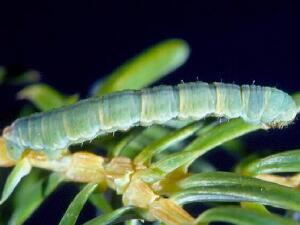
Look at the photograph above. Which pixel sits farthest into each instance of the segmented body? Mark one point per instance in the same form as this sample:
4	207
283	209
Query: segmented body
57	129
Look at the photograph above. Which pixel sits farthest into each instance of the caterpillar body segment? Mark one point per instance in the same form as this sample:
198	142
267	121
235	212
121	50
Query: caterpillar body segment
52	131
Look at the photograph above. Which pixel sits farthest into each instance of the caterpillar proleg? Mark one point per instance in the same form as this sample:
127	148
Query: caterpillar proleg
54	130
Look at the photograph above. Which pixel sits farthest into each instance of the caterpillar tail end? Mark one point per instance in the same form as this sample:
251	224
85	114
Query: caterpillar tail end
5	159
14	150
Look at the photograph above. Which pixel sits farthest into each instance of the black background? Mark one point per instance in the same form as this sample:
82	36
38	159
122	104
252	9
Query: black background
73	43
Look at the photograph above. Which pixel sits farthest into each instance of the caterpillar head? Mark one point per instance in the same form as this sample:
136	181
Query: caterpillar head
286	113
282	109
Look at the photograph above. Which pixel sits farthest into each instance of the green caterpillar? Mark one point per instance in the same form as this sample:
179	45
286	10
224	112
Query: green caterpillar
54	130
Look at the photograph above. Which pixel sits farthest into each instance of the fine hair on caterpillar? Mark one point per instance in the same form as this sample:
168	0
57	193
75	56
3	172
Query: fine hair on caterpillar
52	131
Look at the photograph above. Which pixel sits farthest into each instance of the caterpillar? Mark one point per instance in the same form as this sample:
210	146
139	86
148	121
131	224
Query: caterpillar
54	130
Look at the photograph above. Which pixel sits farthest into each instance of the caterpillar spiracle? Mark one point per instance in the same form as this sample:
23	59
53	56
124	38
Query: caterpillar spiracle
54	130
